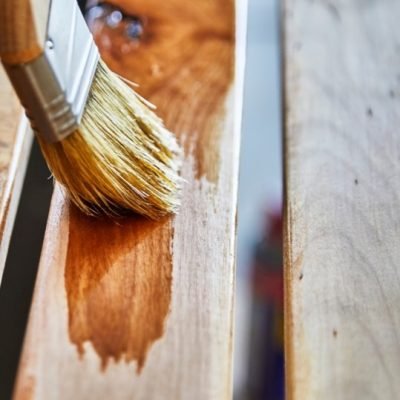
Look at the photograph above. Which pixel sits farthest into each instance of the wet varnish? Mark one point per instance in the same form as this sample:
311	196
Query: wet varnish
107	291
118	283
182	56
183	61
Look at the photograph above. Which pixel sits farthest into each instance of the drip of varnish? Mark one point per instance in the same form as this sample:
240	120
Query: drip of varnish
119	274
118	281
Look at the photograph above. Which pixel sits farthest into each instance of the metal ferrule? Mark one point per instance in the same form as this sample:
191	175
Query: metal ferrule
54	87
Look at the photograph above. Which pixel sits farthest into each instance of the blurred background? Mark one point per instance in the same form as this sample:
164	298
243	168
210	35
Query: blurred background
258	373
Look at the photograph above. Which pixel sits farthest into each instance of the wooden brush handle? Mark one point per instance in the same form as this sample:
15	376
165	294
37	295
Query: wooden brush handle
22	29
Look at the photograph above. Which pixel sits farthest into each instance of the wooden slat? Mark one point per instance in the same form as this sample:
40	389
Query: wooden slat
342	213
140	309
15	145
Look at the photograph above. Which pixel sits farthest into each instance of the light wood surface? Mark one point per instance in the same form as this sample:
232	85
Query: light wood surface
15	145
342	188
136	309
22	29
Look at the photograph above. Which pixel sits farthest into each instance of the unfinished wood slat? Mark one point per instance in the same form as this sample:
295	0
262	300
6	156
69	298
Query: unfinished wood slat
15	145
140	309
342	186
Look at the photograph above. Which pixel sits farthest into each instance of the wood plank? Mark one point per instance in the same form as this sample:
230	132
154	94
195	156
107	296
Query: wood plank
342	192
15	145
141	309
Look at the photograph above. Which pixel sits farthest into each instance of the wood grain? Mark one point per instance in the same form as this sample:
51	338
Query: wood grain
15	145
110	294
137	309
22	29
342	189
172	66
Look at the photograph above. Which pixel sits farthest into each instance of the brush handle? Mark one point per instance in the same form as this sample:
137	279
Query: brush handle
22	29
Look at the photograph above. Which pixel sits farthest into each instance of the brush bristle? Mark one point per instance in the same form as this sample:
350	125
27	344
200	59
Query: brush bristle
121	158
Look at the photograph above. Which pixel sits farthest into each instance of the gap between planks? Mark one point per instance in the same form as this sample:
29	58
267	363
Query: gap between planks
15	145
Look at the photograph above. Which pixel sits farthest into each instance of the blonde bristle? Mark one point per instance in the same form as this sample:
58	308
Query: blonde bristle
121	158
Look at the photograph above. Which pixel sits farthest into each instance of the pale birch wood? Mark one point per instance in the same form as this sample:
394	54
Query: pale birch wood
342	115
15	145
193	357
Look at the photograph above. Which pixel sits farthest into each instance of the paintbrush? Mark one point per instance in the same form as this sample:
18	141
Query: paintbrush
100	139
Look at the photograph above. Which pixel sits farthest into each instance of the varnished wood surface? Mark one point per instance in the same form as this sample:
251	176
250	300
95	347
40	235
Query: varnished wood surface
15	144
110	295
139	309
183	63
342	186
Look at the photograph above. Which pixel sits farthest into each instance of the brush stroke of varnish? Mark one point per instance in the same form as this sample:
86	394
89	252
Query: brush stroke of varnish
200	100
184	64
117	297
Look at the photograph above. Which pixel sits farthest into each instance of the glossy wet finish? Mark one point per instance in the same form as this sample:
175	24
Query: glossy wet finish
111	298
117	297
181	54
184	63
